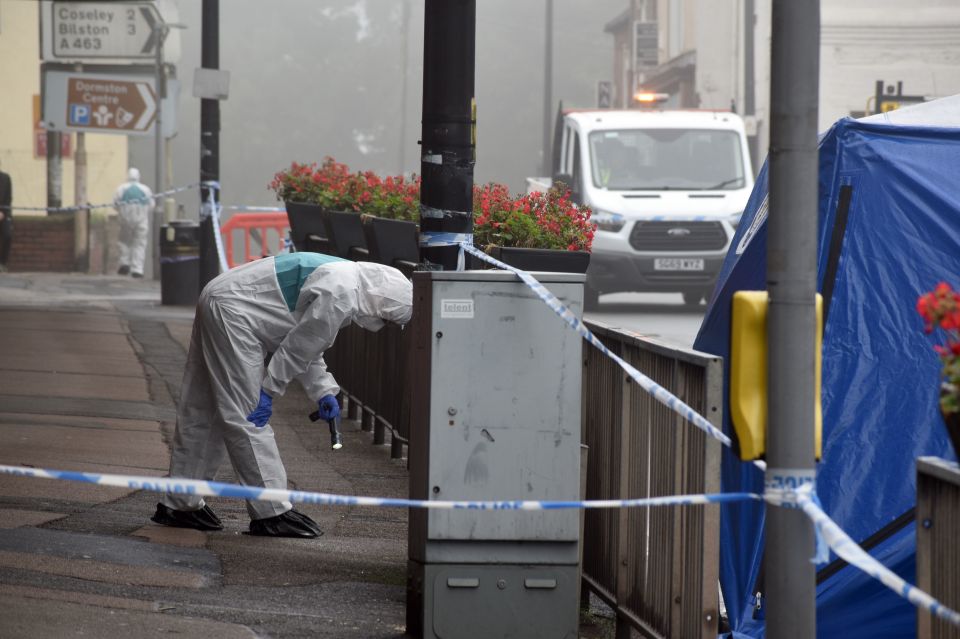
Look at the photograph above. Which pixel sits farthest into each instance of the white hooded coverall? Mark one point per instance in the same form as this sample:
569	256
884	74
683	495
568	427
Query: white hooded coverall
293	306
133	201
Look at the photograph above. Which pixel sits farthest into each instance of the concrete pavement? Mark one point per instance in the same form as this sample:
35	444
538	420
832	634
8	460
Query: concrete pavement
90	370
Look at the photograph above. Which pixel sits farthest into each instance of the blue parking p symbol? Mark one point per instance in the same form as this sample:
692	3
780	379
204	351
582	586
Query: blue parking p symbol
79	115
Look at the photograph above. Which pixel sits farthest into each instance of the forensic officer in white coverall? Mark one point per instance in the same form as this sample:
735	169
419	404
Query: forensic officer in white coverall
133	201
292	306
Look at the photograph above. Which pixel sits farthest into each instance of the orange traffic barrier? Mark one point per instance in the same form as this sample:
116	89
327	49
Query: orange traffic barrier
266	224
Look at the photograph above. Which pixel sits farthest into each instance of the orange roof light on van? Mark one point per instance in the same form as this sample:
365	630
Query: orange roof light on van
645	97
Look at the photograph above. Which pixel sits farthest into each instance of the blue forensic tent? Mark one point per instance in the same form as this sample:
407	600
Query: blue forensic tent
889	230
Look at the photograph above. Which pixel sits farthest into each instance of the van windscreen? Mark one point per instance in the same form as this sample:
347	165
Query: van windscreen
665	159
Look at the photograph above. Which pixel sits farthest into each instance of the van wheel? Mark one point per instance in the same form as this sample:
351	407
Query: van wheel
692	298
591	298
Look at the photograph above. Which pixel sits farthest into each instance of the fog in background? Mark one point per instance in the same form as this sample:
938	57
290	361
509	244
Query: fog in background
310	79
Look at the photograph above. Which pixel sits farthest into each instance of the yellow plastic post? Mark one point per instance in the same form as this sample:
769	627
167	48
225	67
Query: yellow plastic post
748	373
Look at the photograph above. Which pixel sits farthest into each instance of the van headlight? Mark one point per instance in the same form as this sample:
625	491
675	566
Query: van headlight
605	221
734	220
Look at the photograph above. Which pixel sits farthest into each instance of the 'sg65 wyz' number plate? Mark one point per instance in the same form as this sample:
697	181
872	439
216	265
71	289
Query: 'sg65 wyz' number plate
678	264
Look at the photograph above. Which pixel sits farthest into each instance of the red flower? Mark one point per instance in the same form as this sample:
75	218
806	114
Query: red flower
940	309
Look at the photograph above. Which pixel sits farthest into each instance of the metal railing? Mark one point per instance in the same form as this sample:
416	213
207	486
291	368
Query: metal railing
372	371
657	567
938	525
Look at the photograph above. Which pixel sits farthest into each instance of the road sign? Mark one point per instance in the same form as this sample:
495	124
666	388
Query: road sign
102	32
604	94
104	101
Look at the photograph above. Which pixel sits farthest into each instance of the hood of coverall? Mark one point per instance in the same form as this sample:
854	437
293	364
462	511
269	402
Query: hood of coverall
385	295
133	175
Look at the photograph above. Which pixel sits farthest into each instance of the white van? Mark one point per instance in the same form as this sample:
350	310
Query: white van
667	189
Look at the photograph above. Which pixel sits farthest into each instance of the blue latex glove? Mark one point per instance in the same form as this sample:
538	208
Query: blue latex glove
261	414
329	408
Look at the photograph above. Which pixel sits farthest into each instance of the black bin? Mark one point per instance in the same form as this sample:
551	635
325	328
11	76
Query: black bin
180	262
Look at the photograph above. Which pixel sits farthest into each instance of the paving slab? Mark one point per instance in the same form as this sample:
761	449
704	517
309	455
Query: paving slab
60	321
80	421
166	535
18	518
36	618
91	447
107	558
102	571
53	594
86	407
42	384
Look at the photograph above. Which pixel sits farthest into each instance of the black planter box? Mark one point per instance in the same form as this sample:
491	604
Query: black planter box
393	242
307	231
531	259
345	235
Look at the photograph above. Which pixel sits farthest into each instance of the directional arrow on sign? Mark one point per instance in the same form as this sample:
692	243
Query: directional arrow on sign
149	106
152	19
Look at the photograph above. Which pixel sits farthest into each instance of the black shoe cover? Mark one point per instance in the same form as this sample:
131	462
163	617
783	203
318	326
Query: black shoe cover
203	519
289	524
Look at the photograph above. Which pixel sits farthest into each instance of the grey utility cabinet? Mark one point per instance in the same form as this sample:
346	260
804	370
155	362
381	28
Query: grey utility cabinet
496	416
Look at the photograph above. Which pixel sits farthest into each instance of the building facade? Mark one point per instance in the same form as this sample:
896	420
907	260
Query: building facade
716	55
22	141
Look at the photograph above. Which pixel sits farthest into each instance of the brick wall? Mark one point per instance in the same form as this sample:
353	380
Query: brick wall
46	244
42	244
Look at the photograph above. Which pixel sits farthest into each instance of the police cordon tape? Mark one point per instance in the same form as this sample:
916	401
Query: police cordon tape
83	207
848	550
203	488
212	208
802	497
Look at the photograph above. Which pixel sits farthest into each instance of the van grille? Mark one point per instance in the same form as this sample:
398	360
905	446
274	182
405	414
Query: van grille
678	236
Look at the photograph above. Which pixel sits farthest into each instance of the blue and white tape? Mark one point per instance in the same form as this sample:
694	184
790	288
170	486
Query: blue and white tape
83	207
658	392
212	208
850	552
202	488
783	487
441	238
841	544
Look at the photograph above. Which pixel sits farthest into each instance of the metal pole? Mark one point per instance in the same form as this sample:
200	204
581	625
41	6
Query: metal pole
209	142
404	65
546	165
54	170
448	141
791	282
749	75
160	84
878	93
81	217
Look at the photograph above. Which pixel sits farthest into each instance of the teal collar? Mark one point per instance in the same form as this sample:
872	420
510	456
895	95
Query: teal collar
294	268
